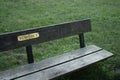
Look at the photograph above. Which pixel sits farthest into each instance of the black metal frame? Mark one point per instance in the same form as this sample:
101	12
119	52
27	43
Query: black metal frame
29	54
81	40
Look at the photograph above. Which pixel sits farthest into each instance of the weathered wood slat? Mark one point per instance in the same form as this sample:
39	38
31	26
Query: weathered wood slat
36	76
68	66
38	35
50	62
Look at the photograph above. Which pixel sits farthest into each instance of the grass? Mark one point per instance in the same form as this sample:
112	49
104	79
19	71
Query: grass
105	17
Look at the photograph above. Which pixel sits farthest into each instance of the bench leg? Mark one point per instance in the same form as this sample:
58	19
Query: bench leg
29	54
81	39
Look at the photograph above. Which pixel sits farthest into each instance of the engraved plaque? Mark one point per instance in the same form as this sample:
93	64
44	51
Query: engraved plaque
28	36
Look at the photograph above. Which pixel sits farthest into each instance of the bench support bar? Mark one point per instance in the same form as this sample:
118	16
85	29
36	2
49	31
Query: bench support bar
29	54
81	39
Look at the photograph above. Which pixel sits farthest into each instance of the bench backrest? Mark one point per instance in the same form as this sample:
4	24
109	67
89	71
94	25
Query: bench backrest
13	40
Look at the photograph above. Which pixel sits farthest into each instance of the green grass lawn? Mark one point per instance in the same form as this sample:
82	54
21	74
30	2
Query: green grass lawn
105	17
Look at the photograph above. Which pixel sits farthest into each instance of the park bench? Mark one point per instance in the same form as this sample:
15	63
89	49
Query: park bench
55	66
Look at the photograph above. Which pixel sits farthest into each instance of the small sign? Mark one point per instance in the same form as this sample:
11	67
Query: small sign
28	36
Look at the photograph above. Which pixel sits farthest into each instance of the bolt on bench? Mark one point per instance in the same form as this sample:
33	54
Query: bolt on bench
55	66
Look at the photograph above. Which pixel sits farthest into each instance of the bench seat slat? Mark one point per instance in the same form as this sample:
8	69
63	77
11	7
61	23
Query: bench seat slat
50	62
68	66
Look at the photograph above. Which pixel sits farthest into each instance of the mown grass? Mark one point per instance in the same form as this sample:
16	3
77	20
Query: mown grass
105	17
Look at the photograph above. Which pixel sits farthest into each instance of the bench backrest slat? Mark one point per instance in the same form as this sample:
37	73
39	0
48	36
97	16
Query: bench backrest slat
18	39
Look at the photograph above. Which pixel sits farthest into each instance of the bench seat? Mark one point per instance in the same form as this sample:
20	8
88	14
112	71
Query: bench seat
58	65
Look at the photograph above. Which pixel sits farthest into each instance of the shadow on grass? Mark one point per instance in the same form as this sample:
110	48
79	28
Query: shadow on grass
93	72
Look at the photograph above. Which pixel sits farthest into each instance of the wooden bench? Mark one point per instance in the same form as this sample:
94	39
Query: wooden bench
55	66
